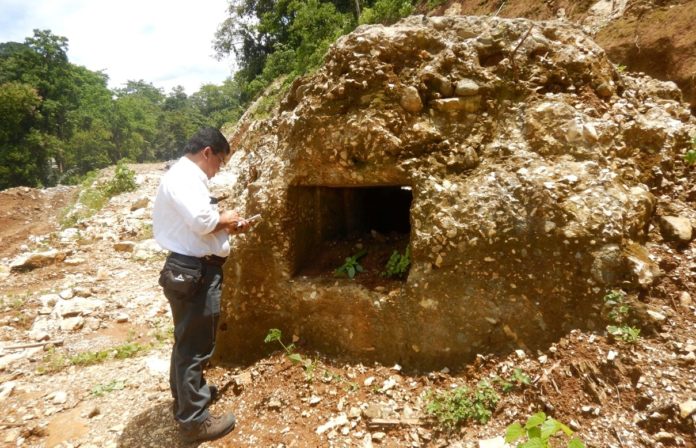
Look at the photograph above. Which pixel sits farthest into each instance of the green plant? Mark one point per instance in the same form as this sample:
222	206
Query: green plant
618	314
128	350
53	361
275	335
94	195
518	379
538	430
690	155
123	180
397	265
309	365
387	12
454	407
620	68
89	358
101	389
351	266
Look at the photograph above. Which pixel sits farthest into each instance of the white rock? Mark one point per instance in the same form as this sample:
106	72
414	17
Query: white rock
340	420
67	294
496	442
369	380
72	323
687	408
58	397
6	389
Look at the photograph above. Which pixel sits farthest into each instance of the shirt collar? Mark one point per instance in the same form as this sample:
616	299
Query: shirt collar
195	169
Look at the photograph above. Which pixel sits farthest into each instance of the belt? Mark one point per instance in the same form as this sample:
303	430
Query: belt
208	259
214	260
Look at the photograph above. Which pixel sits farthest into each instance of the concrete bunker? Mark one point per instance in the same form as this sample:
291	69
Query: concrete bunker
330	223
531	175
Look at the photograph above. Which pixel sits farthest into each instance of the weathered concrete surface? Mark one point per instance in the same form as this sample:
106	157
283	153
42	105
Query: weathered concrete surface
532	163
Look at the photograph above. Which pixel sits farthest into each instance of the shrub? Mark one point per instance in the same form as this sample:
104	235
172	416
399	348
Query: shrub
454	407
386	12
397	265
618	313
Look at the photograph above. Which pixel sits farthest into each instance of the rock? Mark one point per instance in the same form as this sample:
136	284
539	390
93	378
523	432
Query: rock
645	271
466	104
533	206
74	261
496	442
274	403
604	90
49	300
72	323
389	383
313	400
147	249
78	306
656	316
69	234
36	260
378	436
121	318
243	379
67	294
124	246
157	366
686	408
337	421
411	100
684	299
139	203
58	397
676	228
6	389
466	87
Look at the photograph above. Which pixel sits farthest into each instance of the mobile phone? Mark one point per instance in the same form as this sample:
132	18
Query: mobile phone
251	219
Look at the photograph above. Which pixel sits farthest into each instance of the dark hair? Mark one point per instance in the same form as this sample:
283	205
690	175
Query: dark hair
207	137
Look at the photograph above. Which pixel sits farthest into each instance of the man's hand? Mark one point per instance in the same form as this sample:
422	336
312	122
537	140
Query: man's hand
230	221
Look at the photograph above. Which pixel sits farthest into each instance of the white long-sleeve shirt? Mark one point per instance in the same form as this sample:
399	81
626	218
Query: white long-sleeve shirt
183	217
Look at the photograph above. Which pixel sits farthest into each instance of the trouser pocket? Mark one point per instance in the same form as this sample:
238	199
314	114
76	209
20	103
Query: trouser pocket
181	278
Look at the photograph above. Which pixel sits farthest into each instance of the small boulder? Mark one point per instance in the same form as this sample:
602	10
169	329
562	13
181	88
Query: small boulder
676	228
411	100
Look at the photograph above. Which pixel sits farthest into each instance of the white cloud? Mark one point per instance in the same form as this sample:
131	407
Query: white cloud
164	42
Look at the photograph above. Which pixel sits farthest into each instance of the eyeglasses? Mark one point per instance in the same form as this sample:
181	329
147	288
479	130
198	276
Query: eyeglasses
221	159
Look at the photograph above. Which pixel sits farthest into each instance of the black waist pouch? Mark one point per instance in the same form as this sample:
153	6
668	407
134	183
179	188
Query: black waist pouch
181	277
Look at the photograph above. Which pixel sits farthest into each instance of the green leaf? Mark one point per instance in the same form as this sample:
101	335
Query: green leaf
273	335
351	271
535	420
565	429
513	432
295	358
549	427
533	443
576	443
534	433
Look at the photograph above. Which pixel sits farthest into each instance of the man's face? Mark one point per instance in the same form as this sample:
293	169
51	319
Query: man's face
214	161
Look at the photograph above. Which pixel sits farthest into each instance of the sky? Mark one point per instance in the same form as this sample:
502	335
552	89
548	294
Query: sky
163	42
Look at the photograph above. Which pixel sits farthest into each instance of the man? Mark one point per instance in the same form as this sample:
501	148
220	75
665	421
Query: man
187	223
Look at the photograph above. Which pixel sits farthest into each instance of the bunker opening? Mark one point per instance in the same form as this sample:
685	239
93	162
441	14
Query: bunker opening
367	223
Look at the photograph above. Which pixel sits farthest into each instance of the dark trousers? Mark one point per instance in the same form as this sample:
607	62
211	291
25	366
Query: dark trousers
195	324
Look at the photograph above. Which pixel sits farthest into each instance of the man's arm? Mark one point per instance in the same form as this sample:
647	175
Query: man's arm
231	222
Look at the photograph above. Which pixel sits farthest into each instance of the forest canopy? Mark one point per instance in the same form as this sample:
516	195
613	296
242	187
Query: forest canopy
61	121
